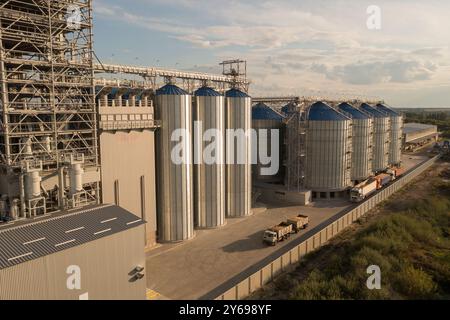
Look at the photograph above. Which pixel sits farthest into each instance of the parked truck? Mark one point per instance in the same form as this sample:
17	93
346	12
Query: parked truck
395	172
363	190
278	233
382	180
299	222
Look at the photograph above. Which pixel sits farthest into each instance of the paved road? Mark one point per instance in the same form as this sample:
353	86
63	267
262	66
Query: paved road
192	269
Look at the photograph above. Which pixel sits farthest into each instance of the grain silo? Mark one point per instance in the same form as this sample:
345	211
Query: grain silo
328	150
381	135
266	119
238	153
209	174
395	149
174	176
362	142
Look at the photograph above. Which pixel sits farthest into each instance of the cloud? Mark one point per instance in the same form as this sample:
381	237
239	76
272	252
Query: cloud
305	45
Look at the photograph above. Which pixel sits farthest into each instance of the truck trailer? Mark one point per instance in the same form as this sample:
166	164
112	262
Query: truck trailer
363	190
299	222
278	233
383	179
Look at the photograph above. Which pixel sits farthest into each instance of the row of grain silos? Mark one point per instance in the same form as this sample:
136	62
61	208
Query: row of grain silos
347	144
198	194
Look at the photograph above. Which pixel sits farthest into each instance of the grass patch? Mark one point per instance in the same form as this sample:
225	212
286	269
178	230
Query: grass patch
409	242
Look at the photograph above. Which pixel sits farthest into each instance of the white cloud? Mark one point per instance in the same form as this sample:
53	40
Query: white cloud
311	45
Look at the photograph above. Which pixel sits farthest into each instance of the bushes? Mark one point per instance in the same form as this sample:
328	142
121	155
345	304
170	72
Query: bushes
411	247
415	283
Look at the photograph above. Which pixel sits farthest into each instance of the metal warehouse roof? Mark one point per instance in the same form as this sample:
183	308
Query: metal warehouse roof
21	242
372	111
320	111
387	110
170	89
352	111
236	93
207	92
417	127
264	112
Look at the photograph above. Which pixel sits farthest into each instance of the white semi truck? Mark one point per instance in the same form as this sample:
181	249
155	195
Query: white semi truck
363	190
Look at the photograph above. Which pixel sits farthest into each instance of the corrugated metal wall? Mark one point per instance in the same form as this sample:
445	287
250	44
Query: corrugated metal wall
209	179
174	181
328	155
268	125
362	149
128	174
239	176
105	266
381	137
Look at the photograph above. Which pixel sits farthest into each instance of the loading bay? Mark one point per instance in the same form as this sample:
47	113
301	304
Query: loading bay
198	268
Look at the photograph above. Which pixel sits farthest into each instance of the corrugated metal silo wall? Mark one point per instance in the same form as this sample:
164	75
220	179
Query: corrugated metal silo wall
174	181
209	179
381	138
395	152
328	155
268	125
362	149
239	176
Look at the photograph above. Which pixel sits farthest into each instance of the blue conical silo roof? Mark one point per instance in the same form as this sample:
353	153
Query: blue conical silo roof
320	111
170	89
372	111
387	110
207	92
352	111
264	112
236	93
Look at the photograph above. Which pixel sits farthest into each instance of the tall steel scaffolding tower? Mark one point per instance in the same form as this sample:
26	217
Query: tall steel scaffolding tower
48	122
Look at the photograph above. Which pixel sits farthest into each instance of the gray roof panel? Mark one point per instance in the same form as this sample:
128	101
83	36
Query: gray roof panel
28	240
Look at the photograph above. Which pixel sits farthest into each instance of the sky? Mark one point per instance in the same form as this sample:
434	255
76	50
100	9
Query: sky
292	47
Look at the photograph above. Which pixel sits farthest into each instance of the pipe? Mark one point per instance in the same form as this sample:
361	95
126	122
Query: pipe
22	195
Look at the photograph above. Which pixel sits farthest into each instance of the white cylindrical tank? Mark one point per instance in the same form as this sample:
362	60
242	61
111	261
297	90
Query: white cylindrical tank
209	174
32	185
175	188
76	178
396	137
362	142
328	149
381	136
238	174
267	119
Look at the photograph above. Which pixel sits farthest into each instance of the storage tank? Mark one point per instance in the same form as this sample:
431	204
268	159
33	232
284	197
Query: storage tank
238	175
362	142
209	175
328	149
265	118
381	134
175	217
395	146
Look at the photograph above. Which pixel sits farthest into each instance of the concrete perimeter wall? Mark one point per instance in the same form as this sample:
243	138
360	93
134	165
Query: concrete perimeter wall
291	257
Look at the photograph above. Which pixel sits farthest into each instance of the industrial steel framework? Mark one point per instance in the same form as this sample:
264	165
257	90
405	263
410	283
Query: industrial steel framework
152	78
47	97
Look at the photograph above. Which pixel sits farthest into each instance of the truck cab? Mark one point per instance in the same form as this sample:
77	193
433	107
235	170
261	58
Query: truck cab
356	195
270	237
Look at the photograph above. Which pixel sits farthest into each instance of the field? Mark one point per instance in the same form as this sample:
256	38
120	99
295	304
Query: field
407	237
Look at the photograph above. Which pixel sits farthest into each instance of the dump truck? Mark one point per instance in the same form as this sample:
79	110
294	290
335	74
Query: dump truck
299	222
363	190
278	233
382	180
395	172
